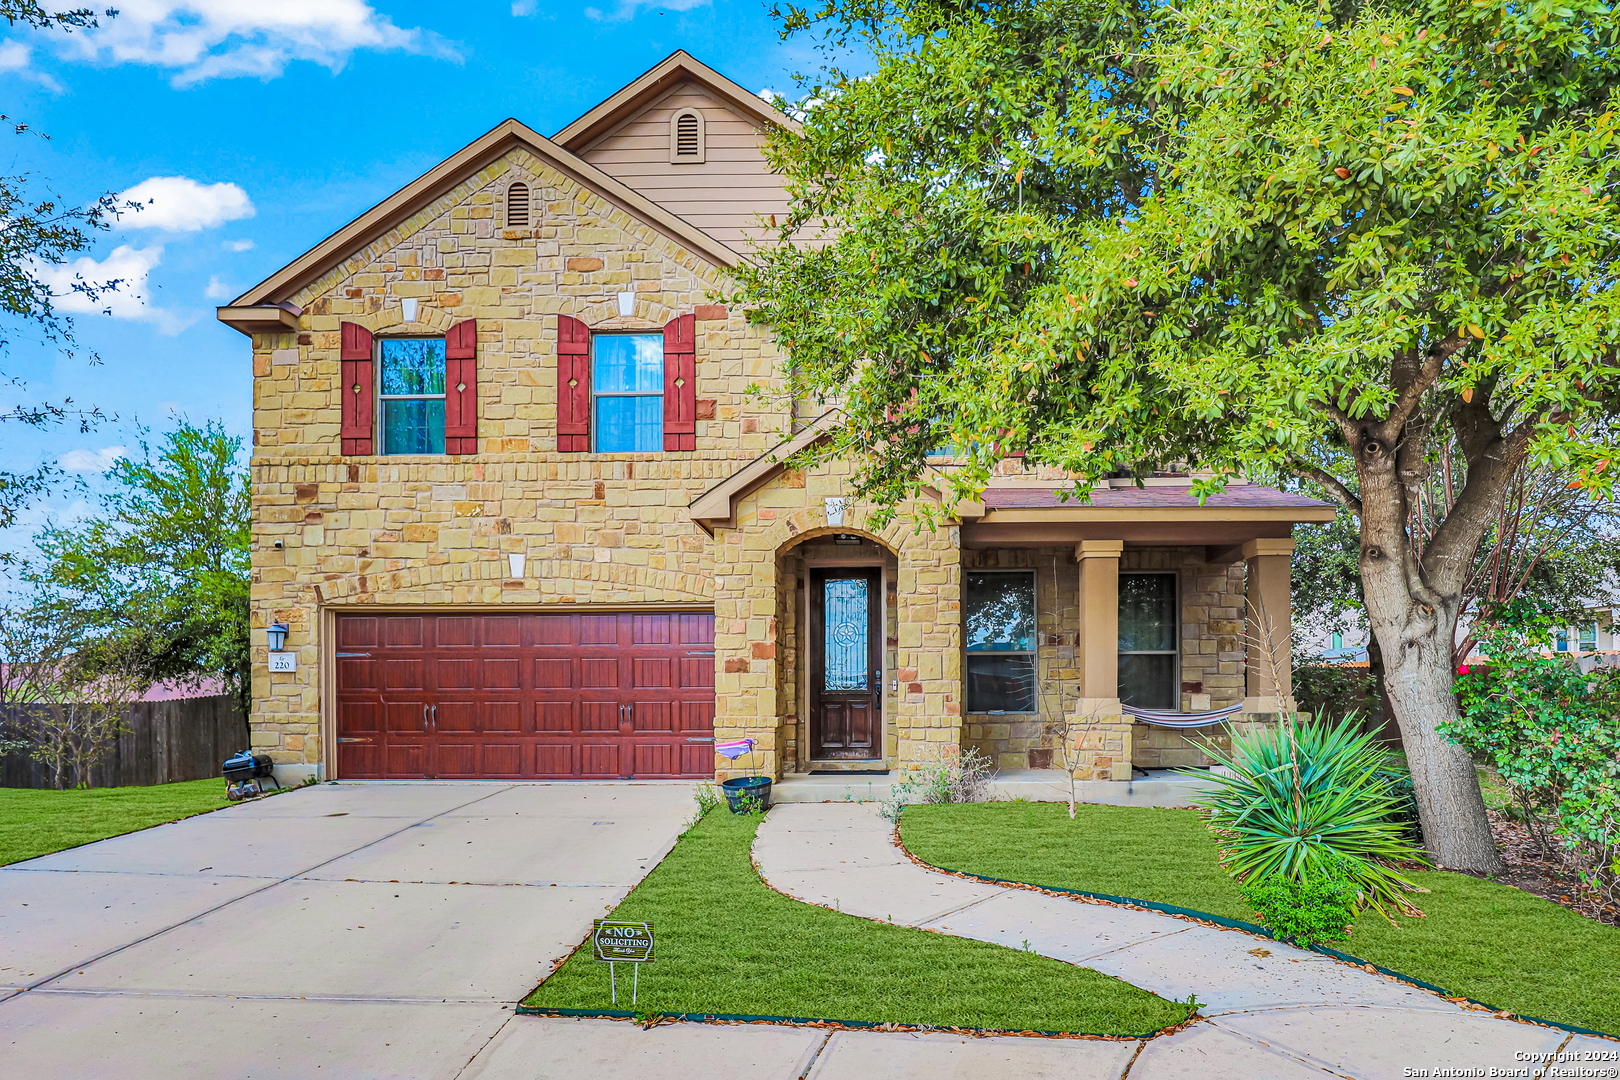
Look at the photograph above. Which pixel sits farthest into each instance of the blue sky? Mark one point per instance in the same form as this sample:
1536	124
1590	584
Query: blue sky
260	126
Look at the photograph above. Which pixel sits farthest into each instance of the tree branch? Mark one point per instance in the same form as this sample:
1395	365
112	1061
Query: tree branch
1341	494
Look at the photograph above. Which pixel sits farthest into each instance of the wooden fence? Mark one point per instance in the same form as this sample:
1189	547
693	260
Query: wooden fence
163	741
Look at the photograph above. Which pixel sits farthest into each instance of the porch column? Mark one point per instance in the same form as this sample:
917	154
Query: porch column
1099	620
1270	608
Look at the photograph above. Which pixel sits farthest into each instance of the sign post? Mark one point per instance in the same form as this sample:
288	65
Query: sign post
616	941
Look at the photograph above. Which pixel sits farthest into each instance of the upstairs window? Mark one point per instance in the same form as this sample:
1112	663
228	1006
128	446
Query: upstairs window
686	138
627	391
1589	634
517	206
411	395
1000	616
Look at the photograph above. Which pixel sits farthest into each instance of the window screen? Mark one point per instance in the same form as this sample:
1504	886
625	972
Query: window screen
999	609
1148	634
411	393
627	390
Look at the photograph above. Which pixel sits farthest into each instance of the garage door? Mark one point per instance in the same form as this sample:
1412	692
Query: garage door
628	694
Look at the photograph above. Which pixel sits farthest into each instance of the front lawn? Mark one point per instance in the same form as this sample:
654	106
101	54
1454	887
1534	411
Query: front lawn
727	944
1479	939
36	822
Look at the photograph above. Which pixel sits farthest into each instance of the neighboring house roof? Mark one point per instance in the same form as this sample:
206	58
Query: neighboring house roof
675	68
172	690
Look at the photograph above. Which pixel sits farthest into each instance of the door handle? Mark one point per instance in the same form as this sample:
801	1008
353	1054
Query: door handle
424	717
435	716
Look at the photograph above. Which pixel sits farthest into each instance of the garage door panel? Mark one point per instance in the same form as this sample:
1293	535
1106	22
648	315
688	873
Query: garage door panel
402	632
555	759
598	716
503	717
599	760
527	695
554	717
502	674
599	671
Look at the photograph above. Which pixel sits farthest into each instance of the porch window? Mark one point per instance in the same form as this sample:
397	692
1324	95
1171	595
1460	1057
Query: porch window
627	387
1148	637
411	393
1589	634
1000	620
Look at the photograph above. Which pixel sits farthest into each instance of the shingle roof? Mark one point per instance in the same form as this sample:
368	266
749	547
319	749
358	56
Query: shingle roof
1249	496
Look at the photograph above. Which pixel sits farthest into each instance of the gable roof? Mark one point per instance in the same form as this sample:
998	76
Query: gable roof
433	184
679	66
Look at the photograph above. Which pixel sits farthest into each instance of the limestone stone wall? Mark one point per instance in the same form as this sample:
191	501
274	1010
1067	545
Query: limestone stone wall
759	678
332	533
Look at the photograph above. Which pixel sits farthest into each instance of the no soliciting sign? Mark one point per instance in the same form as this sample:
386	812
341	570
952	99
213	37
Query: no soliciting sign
623	942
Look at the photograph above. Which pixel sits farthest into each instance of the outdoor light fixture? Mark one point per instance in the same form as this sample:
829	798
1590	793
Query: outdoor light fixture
276	634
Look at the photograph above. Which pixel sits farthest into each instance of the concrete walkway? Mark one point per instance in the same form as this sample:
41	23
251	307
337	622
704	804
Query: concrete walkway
1270	1010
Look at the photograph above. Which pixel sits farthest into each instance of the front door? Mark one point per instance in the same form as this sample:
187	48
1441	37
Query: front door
846	669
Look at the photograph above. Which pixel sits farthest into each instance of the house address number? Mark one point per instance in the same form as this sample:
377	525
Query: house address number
283	661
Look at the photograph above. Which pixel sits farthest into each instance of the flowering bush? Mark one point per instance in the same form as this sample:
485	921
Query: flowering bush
1553	733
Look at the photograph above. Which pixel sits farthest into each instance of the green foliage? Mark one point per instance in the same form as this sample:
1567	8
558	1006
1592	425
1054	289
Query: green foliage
1310	910
1329	690
162	572
1553	734
955	775
1306	801
727	943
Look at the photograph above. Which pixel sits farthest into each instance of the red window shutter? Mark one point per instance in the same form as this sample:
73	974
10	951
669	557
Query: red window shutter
573	385
355	364
461	388
680	383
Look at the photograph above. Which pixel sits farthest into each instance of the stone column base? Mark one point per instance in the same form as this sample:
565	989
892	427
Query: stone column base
1101	736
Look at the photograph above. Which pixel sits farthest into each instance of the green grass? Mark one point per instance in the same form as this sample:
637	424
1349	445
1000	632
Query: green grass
35	822
1480	939
728	944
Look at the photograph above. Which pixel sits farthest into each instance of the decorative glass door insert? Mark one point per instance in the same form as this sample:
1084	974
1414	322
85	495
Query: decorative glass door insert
846	602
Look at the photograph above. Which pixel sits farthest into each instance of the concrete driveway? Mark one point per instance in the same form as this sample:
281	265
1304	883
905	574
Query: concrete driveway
354	930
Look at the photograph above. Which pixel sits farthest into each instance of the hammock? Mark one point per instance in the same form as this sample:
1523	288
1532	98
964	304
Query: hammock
1182	719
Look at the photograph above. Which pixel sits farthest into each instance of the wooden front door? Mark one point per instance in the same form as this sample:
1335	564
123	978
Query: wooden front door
846	667
525	696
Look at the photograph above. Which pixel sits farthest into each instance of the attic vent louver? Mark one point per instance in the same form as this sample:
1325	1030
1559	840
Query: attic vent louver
686	137
517	206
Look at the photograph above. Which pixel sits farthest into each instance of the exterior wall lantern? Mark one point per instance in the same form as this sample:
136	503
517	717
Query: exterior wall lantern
280	659
277	635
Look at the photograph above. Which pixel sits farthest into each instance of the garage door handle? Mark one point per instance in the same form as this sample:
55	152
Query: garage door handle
709	739
700	652
344	654
354	740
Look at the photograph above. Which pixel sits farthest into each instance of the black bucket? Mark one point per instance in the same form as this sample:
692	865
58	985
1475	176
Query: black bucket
747	793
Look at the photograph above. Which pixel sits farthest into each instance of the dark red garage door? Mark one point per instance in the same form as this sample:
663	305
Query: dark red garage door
525	696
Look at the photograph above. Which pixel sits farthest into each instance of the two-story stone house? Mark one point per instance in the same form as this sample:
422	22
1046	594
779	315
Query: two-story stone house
523	519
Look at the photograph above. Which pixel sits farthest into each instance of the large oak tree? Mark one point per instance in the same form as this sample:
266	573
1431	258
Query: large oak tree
1324	241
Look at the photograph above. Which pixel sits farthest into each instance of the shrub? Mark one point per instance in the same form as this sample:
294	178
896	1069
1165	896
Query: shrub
1308	800
1553	734
955	776
1306	911
1331	691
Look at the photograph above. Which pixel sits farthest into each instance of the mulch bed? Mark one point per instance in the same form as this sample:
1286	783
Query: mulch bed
1547	877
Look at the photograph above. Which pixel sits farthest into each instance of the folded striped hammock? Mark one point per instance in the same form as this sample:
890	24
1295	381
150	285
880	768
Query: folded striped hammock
1164	719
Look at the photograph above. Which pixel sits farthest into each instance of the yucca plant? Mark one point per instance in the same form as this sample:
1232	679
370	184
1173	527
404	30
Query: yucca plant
1307	800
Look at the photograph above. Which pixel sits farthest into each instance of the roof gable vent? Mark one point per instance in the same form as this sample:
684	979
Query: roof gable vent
686	138
517	206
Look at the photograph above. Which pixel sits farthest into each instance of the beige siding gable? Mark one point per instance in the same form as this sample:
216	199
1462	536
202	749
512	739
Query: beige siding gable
727	195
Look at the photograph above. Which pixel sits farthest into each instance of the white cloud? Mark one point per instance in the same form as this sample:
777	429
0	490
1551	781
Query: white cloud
237	245
17	58
217	289
180	204
129	267
521	8
208	39
629	9
91	460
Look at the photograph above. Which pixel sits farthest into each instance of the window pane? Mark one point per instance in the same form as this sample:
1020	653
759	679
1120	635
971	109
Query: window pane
413	427
1147	612
1148	682
846	611
628	363
1000	612
627	424
1000	683
413	366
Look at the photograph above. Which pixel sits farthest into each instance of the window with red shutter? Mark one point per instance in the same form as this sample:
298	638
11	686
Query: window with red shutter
573	385
461	388
355	365
680	383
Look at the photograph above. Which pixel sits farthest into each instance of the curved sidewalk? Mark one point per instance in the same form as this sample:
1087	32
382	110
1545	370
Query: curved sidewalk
1269	1010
